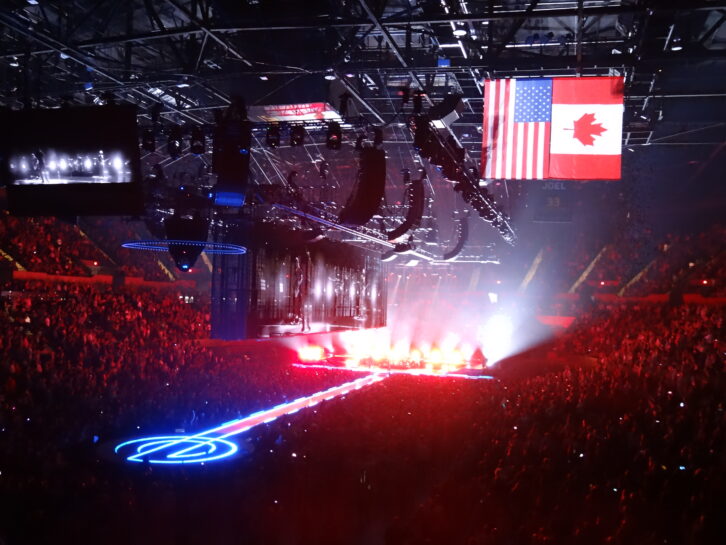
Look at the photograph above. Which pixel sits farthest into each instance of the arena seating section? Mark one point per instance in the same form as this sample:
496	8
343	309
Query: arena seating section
624	449
54	246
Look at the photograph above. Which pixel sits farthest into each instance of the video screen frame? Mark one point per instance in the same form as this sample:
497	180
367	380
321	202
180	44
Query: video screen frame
72	161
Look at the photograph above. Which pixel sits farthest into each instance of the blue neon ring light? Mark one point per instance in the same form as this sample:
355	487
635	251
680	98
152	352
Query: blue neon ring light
208	247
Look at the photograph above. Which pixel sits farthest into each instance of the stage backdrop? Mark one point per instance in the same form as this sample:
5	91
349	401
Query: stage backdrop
286	285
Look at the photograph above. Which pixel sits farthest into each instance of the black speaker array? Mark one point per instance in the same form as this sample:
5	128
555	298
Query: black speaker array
365	200
463	235
415	191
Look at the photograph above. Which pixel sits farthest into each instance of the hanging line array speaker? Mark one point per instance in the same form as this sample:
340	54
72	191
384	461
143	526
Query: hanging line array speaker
415	194
463	232
366	198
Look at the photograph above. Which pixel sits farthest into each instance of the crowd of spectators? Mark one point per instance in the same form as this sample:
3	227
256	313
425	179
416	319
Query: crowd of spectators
52	245
111	233
563	261
83	363
693	262
621	444
623	258
709	277
49	245
623	449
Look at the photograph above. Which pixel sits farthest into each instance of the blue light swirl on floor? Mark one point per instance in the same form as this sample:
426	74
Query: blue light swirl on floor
198	449
213	444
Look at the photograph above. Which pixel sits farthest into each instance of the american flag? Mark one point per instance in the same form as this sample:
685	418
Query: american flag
517	119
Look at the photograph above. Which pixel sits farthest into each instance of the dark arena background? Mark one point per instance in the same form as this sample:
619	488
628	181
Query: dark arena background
362	272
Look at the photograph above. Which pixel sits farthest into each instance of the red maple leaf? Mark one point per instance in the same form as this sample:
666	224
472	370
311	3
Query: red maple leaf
585	129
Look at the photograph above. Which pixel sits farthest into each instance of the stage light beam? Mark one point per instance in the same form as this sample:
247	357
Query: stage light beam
496	338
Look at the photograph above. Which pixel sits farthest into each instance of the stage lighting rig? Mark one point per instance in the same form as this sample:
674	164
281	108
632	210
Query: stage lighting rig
148	140
403	247
231	154
272	139
294	188
404	93
418	101
158	175
377	136
313	235
344	100
192	230
324	170
187	227
297	135
334	139
156	114
432	146
197	141
448	110
174	142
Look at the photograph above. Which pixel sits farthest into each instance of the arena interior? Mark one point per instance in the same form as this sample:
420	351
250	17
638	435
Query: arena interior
362	272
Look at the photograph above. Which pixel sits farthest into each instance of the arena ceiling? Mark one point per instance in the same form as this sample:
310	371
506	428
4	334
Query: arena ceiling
191	56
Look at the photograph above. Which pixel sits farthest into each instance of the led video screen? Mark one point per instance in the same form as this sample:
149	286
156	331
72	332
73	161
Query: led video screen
72	161
51	167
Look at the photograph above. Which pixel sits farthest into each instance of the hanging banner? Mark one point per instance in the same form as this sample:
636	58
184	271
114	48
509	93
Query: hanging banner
309	111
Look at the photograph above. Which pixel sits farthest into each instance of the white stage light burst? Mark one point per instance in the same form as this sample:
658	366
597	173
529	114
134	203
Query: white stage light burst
496	338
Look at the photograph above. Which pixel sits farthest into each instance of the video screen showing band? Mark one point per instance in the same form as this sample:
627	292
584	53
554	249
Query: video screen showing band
51	167
71	161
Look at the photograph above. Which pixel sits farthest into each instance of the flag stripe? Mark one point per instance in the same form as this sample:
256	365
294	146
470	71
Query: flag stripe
519	130
546	161
496	97
530	147
535	150
540	150
593	90
510	127
585	167
504	128
500	128
491	96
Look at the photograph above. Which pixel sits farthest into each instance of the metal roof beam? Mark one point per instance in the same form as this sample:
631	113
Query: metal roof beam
20	26
513	30
394	46
114	41
353	91
271	26
210	33
543	13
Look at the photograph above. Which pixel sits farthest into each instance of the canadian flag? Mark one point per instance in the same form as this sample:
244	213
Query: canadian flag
587	127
